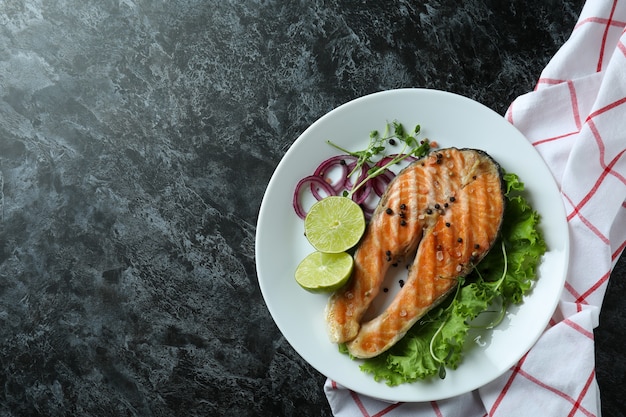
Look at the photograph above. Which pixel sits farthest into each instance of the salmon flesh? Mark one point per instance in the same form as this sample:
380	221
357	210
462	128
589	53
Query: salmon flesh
443	212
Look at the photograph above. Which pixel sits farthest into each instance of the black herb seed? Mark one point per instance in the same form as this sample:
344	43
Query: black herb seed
401	282
389	211
402	206
459	240
403	222
447	224
452	199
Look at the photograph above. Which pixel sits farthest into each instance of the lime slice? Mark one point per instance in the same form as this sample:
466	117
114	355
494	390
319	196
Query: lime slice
324	272
334	224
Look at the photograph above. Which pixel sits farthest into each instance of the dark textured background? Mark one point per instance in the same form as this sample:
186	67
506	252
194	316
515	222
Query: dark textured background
136	141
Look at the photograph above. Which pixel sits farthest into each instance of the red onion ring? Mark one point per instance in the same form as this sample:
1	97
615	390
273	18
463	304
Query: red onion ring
343	162
320	184
362	193
316	183
380	183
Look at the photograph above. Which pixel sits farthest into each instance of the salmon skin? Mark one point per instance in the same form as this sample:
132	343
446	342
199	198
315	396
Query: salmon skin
443	211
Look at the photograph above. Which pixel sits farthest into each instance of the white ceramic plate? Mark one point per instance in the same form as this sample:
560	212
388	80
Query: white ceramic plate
451	120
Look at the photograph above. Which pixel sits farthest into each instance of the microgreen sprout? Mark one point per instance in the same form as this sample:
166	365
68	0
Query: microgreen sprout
496	287
442	362
394	132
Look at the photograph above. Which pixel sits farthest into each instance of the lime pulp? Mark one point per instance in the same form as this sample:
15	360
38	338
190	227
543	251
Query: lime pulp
324	272
334	224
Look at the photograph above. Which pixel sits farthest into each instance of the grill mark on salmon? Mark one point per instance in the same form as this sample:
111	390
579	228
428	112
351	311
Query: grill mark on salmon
445	210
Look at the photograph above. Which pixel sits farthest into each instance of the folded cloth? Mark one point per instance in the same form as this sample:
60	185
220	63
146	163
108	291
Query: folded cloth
575	120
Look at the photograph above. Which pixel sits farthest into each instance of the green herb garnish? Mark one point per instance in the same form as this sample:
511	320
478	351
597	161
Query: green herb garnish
394	132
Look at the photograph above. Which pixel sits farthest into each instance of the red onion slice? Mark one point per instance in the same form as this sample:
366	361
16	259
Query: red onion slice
340	161
380	183
316	183
321	185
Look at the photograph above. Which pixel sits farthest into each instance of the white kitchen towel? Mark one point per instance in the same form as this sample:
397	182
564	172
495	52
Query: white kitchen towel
576	120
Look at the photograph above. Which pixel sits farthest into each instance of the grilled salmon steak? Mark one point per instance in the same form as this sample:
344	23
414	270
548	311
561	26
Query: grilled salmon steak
444	212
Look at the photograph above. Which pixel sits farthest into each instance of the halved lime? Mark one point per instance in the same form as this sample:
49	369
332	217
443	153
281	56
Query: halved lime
334	224
324	272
